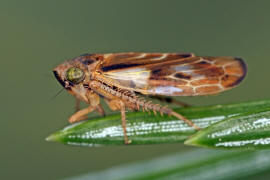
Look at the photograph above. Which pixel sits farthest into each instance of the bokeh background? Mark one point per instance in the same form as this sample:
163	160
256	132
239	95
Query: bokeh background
35	36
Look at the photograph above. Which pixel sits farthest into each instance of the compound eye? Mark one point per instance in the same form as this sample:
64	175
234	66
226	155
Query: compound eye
75	75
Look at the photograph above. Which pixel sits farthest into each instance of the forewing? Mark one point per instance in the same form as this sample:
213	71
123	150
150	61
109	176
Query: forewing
171	74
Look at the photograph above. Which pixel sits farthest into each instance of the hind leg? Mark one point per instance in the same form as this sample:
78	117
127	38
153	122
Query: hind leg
183	118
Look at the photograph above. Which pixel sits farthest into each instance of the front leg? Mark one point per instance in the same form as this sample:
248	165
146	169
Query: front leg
77	104
99	108
77	108
81	114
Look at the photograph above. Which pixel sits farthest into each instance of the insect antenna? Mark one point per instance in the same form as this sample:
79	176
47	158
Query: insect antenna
59	92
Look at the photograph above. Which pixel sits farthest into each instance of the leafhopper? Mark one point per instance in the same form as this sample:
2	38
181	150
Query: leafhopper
122	78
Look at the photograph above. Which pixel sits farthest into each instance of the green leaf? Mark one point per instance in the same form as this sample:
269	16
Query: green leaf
144	128
200	164
249	130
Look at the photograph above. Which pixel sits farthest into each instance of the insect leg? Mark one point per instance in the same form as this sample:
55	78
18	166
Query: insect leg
77	104
100	110
123	117
80	115
170	100
117	104
163	110
180	117
77	108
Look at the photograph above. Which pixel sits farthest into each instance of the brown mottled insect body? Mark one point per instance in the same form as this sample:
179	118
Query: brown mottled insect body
119	77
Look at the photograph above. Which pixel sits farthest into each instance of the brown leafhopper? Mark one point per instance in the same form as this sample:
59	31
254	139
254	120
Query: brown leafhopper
120	77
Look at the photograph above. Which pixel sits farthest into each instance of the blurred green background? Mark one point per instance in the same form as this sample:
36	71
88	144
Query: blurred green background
38	35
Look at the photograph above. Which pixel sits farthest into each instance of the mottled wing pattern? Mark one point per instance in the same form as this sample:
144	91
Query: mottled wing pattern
171	74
